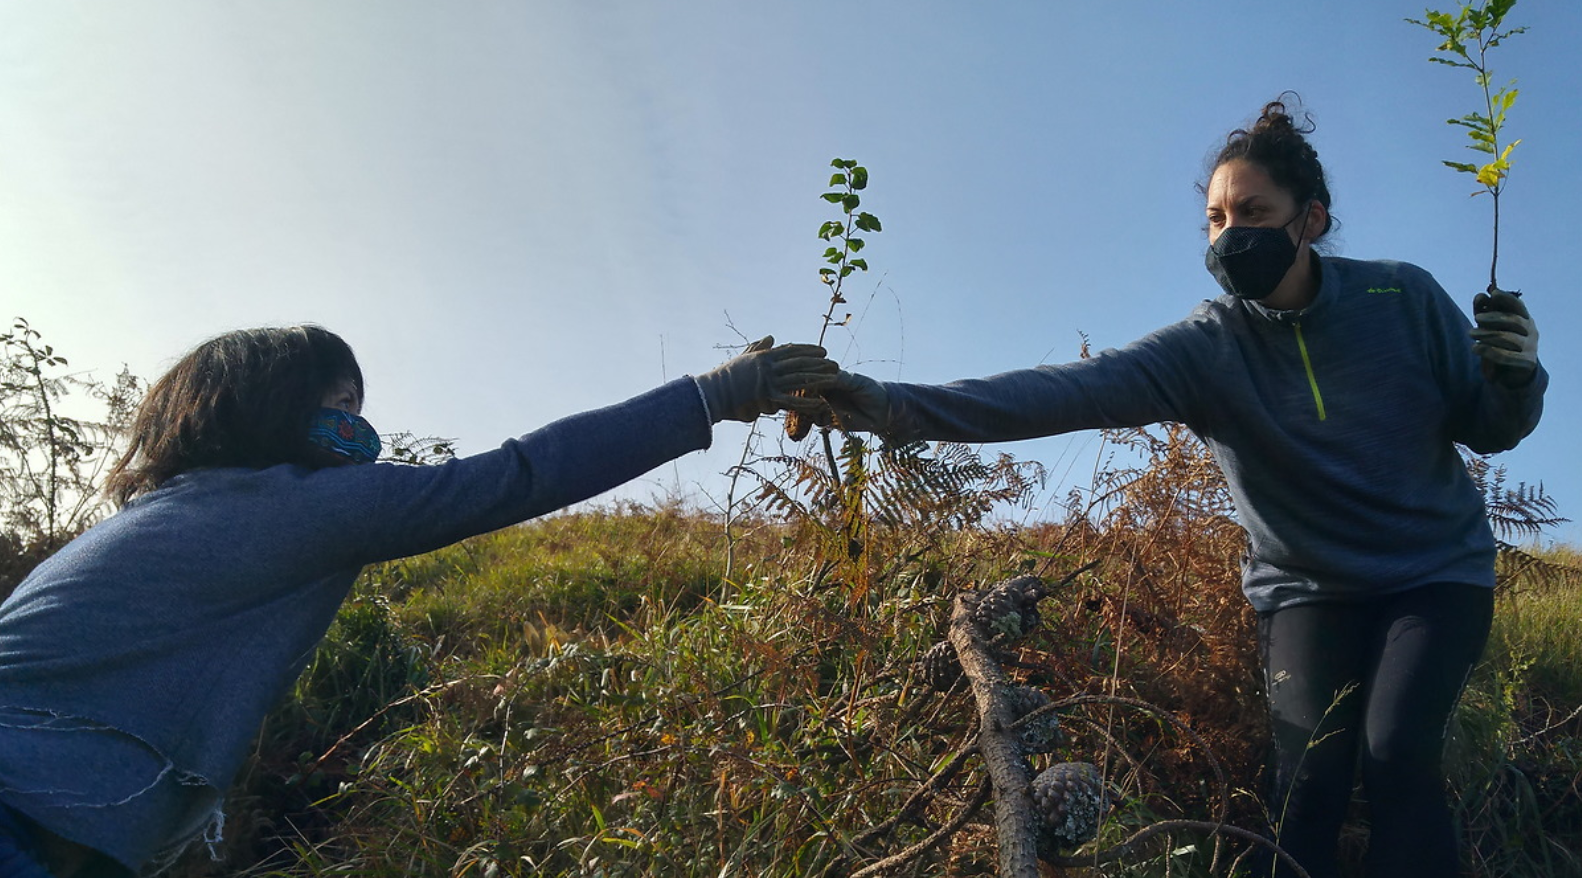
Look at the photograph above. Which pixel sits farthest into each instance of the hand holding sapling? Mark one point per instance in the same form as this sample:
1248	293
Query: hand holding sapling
857	404
764	379
1505	338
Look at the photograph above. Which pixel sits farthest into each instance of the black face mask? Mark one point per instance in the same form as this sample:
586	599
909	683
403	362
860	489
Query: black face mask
1250	261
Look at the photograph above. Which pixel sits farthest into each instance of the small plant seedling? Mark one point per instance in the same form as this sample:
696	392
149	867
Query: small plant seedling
849	178
840	256
1467	38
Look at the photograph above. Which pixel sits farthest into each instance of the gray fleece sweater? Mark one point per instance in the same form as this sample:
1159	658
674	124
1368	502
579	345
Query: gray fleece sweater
137	663
1334	426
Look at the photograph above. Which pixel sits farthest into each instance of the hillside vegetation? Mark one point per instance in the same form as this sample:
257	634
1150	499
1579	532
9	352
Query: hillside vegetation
592	695
641	691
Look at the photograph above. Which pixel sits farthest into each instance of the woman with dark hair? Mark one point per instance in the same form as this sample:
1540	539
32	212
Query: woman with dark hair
1332	393
137	663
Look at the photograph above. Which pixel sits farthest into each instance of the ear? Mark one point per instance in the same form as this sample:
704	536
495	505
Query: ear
1317	221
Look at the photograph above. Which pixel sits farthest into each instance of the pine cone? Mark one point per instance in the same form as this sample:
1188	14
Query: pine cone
939	666
1042	734
1008	610
1071	801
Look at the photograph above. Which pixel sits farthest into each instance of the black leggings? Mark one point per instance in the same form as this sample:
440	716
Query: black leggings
1401	662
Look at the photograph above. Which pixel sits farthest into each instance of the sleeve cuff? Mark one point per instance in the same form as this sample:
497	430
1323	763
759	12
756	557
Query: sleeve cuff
703	398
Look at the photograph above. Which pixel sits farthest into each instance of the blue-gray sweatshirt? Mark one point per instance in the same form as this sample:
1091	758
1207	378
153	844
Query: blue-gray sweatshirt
137	663
1334	426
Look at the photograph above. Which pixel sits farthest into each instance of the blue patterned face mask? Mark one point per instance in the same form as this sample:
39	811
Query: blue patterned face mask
345	434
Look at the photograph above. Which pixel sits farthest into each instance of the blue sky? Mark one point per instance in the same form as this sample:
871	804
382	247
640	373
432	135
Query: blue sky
516	211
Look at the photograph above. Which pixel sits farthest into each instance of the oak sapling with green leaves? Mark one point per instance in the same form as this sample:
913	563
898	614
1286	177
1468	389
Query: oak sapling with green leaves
1467	38
840	255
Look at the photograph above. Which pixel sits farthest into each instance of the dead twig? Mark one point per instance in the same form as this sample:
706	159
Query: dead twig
933	839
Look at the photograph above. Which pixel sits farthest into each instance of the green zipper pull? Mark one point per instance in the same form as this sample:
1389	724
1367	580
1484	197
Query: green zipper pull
1307	363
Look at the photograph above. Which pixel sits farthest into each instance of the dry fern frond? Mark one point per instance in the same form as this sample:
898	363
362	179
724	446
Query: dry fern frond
1514	565
1523	512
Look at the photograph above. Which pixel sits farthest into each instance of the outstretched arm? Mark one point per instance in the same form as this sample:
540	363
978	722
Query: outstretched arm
387	511
1153	379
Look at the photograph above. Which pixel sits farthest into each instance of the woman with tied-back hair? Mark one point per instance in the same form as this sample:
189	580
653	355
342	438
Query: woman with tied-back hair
1332	393
137	663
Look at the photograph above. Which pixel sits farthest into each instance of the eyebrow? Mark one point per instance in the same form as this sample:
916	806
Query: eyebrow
1246	202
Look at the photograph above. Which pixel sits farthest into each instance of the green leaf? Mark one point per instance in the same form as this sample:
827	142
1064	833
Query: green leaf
833	197
1500	37
855	244
832	251
850	202
838	163
1463	167
868	222
859	178
859	263
837	180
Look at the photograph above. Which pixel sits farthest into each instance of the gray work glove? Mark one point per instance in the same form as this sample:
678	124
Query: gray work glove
857	404
1505	337
761	380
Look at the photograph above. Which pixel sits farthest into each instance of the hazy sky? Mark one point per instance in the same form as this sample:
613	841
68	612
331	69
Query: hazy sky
516	211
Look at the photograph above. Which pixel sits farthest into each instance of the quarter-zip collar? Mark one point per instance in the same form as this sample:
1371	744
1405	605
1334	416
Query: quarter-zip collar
1328	289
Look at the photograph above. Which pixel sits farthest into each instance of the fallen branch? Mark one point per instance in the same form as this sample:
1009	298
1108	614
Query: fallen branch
1016	825
1063	806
